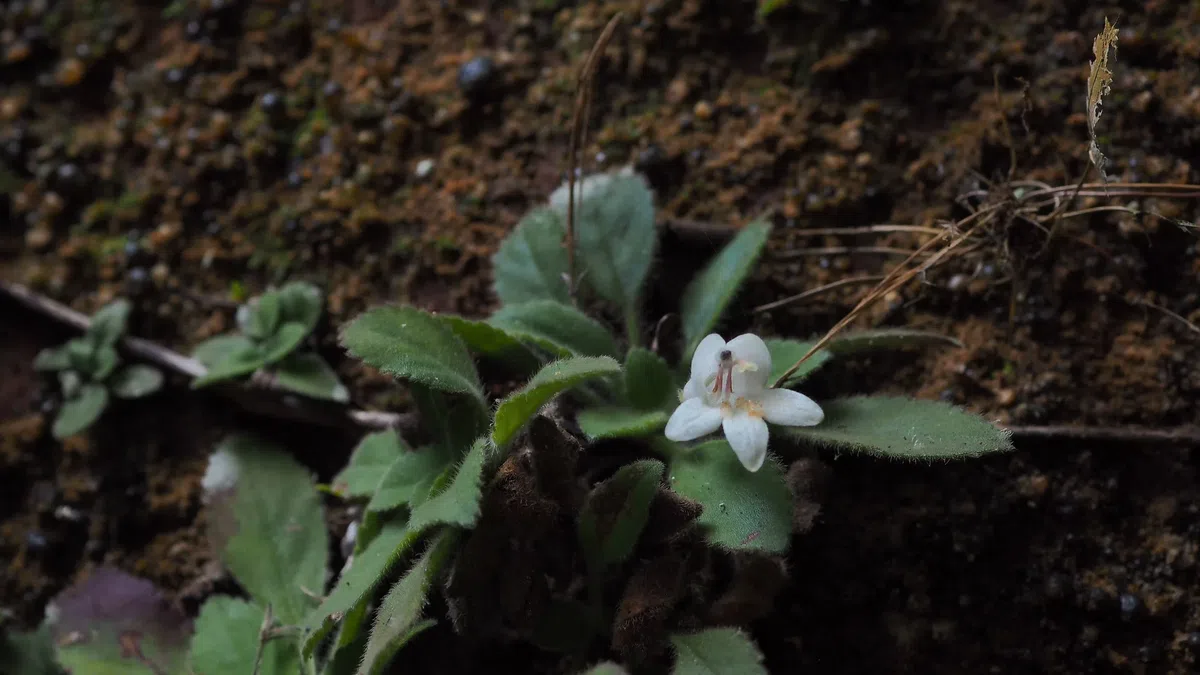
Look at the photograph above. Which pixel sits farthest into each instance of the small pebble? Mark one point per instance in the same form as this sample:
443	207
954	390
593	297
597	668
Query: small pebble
424	168
475	76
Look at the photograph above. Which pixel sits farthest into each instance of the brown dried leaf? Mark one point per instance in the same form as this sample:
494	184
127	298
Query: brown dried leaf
1099	82
651	596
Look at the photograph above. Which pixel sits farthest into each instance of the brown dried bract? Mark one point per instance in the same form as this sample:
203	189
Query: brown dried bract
1099	83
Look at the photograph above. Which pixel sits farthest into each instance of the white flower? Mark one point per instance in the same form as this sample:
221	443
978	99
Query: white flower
728	390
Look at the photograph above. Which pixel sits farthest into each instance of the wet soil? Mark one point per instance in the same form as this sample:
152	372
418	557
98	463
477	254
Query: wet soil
189	157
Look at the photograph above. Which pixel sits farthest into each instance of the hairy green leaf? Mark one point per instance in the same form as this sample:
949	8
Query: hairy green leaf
227	637
616	511
136	381
649	383
743	510
399	617
709	294
531	263
80	412
260	317
52	359
309	375
716	651
282	342
493	343
453	421
372	457
394	539
408	480
518	408
410	344
888	338
616	422
300	302
455	501
280	550
786	352
559	329
221	348
82	354
112	623
235	364
615	235
104	362
108	323
903	428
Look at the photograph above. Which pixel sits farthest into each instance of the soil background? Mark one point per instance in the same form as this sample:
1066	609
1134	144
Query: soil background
189	156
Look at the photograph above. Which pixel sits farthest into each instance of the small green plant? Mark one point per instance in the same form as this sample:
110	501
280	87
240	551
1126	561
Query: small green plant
90	371
272	329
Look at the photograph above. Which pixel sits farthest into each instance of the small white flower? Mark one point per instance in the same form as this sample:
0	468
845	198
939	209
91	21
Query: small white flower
728	390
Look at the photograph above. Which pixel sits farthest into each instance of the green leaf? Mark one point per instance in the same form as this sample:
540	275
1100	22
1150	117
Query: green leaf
786	352
395	538
280	550
369	462
309	375
649	383
104	362
716	651
52	359
135	381
241	363
413	345
709	294
452	421
259	318
112	623
300	302
889	338
616	511
82	354
108	323
457	500
78	413
282	342
399	617
531	263
519	407
221	348
410	477
493	343
559	329
28	653
617	422
615	235
743	510
903	428
226	641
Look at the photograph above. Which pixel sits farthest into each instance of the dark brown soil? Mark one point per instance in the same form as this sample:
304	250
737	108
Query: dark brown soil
188	158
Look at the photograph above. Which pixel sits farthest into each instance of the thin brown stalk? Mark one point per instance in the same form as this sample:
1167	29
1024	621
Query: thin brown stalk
813	292
866	229
1177	436
843	250
263	637
1174	315
579	123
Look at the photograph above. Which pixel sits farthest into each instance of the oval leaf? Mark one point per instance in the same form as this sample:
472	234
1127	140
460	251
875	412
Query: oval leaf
368	463
136	381
108	323
530	263
743	510
235	364
903	428
408	480
716	651
616	511
221	348
615	235
309	375
279	549
709	294
493	343
399	617
455	499
78	413
410	344
649	383
516	410
52	359
615	422
786	352
559	329
300	302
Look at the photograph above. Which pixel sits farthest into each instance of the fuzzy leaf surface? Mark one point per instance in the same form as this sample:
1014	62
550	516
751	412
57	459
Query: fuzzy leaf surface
518	408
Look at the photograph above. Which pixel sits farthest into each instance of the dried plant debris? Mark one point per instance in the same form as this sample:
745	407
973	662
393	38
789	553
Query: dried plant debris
1099	83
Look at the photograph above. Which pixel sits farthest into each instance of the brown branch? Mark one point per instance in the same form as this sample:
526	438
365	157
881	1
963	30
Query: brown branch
266	401
813	292
1176	436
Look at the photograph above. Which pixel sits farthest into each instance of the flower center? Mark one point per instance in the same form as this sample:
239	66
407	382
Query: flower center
722	382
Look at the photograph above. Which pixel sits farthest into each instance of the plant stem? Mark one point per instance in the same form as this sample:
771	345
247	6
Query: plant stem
633	327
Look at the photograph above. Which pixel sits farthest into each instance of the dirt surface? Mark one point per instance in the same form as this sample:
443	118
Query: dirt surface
188	157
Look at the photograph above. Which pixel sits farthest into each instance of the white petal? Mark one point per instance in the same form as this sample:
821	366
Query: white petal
706	358
750	348
693	419
747	436
790	408
692	389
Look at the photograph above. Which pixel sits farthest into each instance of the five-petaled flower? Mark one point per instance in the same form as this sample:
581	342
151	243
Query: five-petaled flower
728	390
